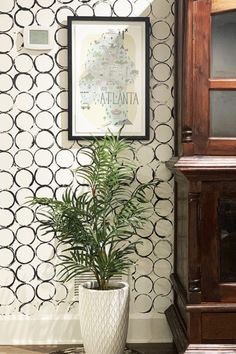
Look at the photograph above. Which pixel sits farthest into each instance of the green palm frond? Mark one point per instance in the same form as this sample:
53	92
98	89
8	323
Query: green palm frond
95	226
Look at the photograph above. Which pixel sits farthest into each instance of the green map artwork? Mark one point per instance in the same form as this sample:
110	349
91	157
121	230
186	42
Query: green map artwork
108	78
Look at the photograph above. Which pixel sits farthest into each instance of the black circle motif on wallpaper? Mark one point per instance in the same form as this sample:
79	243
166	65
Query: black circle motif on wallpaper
37	158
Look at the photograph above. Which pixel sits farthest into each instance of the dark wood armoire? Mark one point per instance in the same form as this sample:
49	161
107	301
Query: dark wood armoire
203	316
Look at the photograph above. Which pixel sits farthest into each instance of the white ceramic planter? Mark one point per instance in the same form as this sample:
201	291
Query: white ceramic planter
104	318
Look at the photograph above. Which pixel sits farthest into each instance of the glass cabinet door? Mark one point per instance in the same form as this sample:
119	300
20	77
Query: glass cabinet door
223	113
218	239
227	239
223	67
214	87
223	45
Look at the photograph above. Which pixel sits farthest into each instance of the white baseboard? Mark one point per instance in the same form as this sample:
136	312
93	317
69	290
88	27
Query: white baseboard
148	329
66	330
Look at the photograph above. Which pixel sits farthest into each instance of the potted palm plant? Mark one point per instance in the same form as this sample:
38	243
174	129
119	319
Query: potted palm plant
96	227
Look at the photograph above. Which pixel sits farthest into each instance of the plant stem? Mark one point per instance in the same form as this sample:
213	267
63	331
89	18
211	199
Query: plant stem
97	278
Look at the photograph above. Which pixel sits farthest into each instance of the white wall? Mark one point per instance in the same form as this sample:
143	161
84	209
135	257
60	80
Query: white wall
35	158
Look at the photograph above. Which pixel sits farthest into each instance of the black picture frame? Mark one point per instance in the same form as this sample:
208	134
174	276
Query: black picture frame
108	77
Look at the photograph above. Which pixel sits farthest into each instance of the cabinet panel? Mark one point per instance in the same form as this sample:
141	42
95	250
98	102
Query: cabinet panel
223	5
224	326
209	243
218	241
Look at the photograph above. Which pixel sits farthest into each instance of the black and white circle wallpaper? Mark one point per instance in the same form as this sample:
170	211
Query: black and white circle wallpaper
36	155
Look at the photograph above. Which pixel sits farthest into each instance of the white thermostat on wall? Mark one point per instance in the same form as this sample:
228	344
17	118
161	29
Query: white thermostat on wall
38	38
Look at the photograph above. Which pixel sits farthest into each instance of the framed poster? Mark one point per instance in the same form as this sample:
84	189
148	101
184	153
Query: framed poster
108	70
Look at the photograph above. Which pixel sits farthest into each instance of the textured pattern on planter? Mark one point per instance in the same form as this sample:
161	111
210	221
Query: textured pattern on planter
104	319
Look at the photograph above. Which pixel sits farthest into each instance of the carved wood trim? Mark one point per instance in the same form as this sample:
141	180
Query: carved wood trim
181	340
212	307
194	285
223	5
177	328
194	249
222	84
206	163
201	66
211	349
178	287
187	135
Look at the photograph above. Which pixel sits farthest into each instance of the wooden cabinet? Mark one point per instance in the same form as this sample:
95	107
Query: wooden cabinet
203	316
206	75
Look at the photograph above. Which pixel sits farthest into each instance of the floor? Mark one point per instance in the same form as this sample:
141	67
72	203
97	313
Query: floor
154	348
39	349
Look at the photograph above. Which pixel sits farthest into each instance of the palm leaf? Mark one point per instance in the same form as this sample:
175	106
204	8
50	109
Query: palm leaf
95	226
